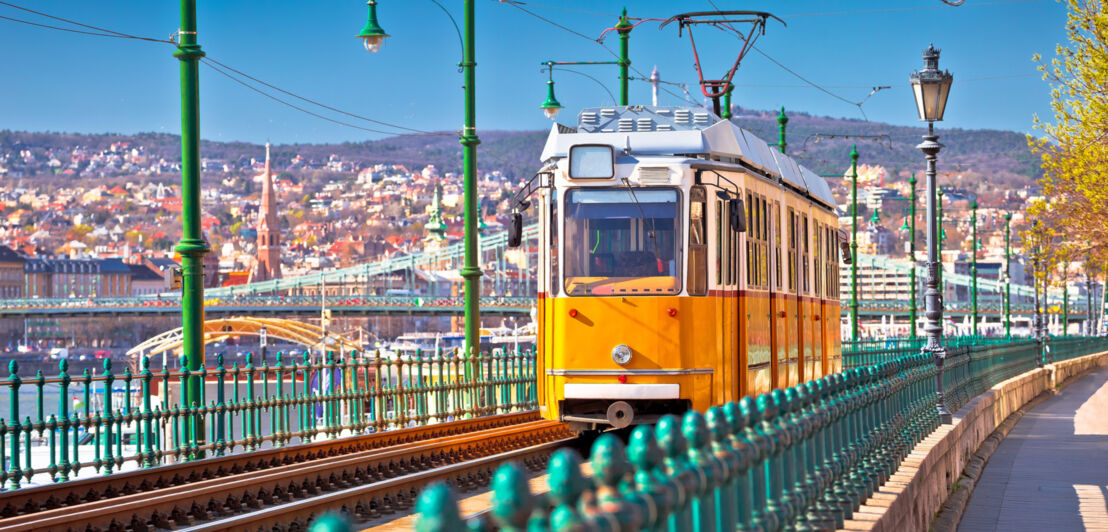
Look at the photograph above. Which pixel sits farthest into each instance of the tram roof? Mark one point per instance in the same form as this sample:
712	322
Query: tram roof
682	131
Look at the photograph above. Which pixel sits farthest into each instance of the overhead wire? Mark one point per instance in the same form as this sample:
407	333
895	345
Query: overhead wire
71	30
225	70
103	31
212	65
318	104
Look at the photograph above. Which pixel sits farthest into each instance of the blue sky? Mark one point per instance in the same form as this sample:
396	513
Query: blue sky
54	81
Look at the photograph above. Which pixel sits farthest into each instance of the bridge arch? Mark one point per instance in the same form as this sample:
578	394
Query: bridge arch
218	330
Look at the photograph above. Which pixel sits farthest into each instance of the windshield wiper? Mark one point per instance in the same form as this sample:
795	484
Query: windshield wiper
653	229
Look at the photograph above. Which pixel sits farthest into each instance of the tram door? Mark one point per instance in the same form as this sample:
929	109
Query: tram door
814	367
727	300
776	306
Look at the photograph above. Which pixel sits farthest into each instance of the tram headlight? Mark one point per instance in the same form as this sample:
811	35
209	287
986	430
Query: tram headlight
621	354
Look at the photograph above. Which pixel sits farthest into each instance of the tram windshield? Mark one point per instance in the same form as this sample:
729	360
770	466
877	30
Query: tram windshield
622	241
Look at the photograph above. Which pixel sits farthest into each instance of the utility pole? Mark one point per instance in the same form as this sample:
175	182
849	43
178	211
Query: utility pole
912	255
192	246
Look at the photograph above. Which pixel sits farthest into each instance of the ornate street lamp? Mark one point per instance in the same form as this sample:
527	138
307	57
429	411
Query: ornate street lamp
372	35
931	87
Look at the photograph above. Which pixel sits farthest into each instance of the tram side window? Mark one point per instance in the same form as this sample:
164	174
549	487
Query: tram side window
554	284
805	273
698	244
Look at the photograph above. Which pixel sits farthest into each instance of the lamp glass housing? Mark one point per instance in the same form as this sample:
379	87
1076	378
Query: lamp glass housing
931	86
373	42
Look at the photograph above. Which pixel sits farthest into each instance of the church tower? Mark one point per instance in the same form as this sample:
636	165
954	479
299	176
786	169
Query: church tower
436	227
269	231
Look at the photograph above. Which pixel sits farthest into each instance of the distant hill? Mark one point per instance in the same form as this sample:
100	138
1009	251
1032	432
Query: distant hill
986	157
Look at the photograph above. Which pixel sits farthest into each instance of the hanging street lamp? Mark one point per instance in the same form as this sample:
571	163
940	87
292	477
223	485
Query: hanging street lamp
470	272
931	87
372	35
551	106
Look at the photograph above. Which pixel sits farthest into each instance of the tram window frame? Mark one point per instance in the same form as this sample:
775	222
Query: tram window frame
697	269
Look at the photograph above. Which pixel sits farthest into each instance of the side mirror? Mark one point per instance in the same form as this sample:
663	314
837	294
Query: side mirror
845	249
737	212
515	230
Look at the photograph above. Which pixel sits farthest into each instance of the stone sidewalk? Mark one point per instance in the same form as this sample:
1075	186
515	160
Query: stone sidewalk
1051	472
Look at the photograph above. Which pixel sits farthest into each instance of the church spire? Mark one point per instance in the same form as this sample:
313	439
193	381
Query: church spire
268	265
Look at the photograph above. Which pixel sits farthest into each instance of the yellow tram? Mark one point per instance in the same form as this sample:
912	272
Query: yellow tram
683	263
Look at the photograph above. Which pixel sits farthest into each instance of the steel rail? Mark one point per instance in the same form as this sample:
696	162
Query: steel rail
183	505
29	501
359	500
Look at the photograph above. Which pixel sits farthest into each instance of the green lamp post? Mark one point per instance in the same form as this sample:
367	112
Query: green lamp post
624	29
910	227
855	327
372	35
973	265
725	113
1008	275
782	121
470	272
192	246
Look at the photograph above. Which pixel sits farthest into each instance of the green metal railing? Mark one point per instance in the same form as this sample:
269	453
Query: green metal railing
139	421
802	458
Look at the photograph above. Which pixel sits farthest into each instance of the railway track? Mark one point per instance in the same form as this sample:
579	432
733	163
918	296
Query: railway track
65	494
366	483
